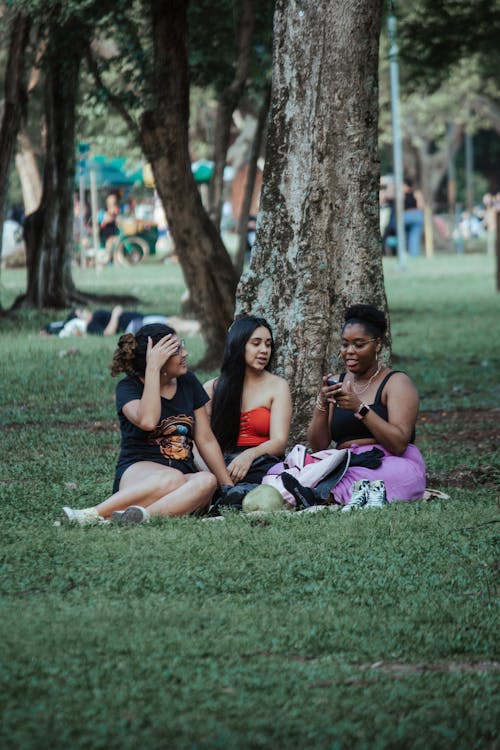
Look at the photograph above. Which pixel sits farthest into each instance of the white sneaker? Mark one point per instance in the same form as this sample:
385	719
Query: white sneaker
359	495
377	496
82	517
213	518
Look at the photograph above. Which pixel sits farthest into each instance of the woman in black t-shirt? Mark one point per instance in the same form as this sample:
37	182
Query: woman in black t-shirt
161	410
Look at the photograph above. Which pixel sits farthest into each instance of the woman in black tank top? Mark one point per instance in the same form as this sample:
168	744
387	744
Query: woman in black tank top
370	405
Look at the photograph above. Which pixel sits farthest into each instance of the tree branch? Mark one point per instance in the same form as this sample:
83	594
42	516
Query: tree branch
113	99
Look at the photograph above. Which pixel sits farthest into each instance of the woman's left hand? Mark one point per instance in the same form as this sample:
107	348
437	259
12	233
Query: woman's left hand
239	466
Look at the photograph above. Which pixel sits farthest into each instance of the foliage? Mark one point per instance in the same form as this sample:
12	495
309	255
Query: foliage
427	116
435	36
365	631
123	55
460	92
213	44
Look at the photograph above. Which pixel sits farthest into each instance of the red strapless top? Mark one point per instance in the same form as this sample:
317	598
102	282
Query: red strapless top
254	427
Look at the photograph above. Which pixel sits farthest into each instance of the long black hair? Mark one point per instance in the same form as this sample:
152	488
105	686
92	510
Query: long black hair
228	391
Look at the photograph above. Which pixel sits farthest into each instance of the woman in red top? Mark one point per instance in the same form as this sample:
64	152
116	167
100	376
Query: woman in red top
250	408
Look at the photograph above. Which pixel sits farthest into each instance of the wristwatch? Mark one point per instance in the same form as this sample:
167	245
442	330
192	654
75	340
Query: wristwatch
362	411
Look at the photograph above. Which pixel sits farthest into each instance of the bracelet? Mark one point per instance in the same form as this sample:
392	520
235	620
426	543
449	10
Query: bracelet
320	406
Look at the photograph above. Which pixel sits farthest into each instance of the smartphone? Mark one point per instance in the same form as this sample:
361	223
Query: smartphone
332	381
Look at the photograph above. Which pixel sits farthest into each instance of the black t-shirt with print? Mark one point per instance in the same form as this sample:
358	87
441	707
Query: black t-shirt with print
172	439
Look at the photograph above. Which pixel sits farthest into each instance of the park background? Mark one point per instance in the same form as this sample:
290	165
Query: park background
367	630
371	631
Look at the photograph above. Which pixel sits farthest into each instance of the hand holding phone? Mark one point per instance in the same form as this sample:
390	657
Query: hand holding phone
331	381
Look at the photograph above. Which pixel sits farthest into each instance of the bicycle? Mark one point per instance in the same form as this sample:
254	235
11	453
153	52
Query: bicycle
126	249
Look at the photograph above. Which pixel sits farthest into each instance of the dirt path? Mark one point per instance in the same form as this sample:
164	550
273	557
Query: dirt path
472	431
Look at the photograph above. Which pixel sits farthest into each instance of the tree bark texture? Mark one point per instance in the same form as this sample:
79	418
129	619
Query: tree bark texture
318	238
207	267
227	103
14	104
48	231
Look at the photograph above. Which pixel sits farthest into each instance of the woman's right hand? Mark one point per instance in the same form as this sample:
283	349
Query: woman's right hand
157	354
327	392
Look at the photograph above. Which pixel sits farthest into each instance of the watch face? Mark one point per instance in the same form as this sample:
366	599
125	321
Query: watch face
363	410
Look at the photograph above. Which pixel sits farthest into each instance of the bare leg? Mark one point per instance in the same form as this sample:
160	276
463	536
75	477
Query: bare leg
195	493
147	483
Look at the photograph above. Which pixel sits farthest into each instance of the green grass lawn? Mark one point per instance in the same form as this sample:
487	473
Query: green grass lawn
369	630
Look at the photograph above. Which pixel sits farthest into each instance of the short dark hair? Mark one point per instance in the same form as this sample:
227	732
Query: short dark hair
374	320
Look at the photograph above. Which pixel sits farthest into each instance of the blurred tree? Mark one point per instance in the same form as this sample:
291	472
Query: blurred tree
14	104
227	100
61	35
141	66
449	52
231	54
253	157
318	246
209	273
48	230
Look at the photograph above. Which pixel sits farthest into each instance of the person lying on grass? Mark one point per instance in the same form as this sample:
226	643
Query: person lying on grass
161	410
369	406
250	407
110	322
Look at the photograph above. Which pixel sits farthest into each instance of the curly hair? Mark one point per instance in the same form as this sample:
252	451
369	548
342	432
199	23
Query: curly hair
372	319
130	354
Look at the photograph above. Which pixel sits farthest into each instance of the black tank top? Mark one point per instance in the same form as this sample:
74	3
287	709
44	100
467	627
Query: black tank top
409	201
345	426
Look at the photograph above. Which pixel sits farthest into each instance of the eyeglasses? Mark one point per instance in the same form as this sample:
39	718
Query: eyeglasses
356	345
182	345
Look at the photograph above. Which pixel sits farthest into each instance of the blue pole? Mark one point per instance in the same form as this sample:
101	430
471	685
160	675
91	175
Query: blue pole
397	149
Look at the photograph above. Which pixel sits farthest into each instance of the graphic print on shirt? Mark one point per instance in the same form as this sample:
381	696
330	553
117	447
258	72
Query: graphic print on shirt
174	437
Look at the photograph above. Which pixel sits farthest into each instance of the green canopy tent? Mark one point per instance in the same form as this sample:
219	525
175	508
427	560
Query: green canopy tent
108	173
202	172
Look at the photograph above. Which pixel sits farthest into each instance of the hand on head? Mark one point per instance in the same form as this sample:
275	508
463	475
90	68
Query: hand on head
159	353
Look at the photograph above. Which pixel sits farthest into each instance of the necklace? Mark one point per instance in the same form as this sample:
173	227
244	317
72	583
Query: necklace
358	393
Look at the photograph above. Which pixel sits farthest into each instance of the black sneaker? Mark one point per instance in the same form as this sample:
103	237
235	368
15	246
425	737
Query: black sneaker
305	497
133	515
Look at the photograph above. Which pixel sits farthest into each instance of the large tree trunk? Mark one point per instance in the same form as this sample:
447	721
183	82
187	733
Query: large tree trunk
14	104
318	243
227	103
48	231
207	267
